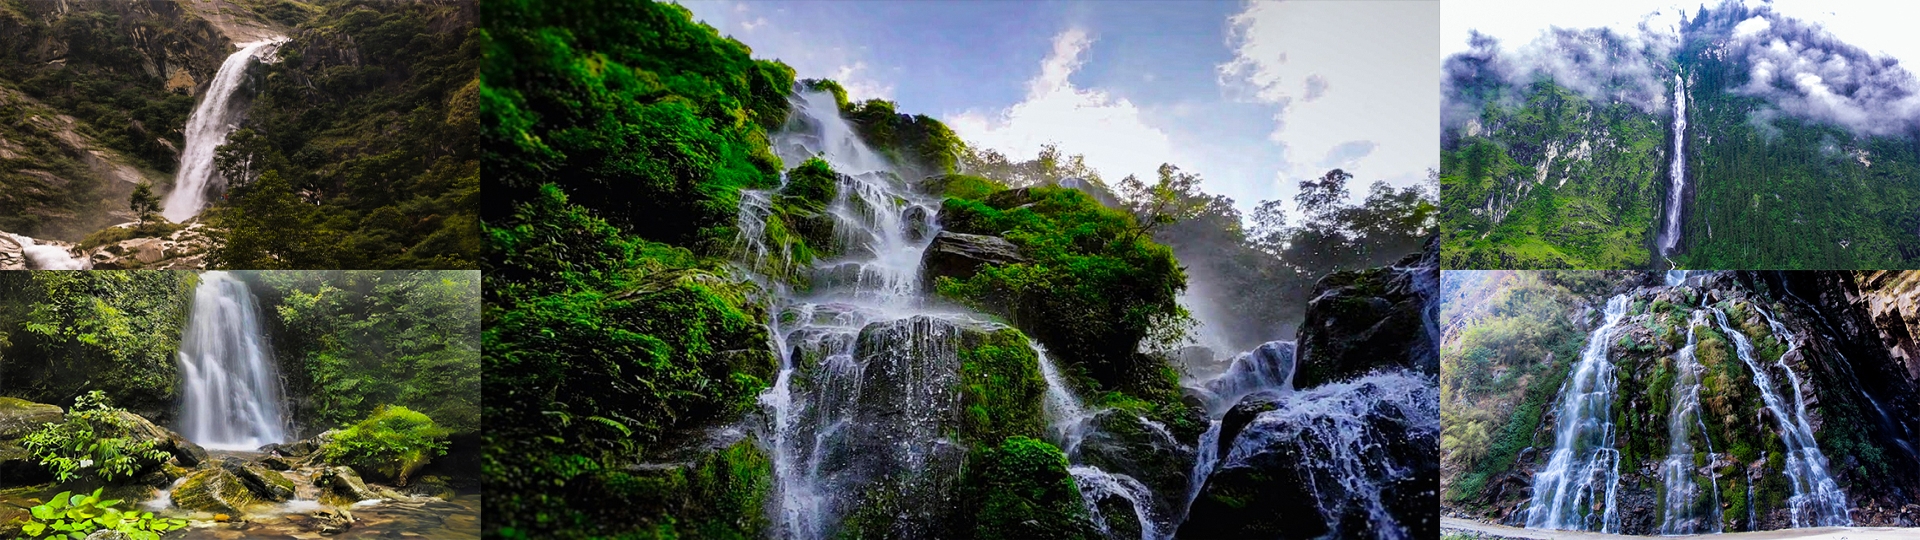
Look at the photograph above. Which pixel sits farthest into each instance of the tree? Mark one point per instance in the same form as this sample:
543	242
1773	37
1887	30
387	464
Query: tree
1320	198
145	205
1175	197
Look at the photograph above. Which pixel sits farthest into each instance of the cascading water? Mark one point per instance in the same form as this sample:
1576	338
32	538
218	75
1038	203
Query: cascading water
206	130
1683	513
1677	171
1267	368
866	393
45	257
1817	500
1583	473
232	387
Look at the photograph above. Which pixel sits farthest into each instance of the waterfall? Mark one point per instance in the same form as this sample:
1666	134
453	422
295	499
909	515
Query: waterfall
1097	485
48	257
1677	171
232	386
1817	500
1678	471
1268	367
1341	433
868	374
1584	470
206	130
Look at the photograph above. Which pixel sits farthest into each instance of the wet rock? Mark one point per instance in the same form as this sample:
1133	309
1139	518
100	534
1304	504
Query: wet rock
1375	319
19	467
343	482
1243	413
214	489
959	255
266	484
429	486
276	463
1124	443
917	224
18	417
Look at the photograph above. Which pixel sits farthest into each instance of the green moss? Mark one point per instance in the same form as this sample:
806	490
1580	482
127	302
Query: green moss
1001	387
1021	490
969	187
392	443
813	182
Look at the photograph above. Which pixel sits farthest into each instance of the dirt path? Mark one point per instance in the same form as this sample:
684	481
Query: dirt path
1461	528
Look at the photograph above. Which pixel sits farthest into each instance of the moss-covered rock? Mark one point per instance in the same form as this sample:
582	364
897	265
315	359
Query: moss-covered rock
1001	386
214	489
19	417
342	485
719	493
1021	489
389	445
266	484
1124	442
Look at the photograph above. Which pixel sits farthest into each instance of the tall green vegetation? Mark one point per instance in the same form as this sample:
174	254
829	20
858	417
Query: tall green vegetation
360	150
1773	191
364	340
1546	178
1501	372
64	333
612	318
92	442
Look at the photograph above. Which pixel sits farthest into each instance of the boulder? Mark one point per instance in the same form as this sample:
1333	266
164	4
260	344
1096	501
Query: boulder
344	483
915	219
959	255
429	486
1375	319
182	450
1243	413
18	417
19	467
214	489
1126	443
276	463
265	483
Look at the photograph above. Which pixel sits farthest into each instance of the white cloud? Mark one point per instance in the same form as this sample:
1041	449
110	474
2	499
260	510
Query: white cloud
860	86
1365	73
1109	131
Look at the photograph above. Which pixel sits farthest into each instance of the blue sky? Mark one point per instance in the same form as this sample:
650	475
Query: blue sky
1253	96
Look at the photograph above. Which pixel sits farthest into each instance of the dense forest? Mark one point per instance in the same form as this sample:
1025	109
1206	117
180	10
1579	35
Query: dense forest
633	288
1571	165
1737	401
355	145
371	390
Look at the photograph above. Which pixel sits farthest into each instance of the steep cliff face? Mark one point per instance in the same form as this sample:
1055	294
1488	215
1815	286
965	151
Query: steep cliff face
1735	401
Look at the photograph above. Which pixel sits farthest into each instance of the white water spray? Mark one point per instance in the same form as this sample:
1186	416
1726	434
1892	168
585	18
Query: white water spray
206	130
1817	500
47	257
232	385
1677	171
1583	473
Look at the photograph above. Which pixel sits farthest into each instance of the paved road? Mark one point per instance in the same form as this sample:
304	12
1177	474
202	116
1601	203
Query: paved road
1487	530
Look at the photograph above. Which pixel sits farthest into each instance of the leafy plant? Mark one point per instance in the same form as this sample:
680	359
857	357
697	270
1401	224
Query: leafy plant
73	516
92	440
394	442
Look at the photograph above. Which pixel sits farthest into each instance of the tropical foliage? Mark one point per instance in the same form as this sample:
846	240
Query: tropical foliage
92	442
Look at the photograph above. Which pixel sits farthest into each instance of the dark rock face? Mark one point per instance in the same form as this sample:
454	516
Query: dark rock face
1328	462
908	401
1124	443
1242	414
959	255
1373	319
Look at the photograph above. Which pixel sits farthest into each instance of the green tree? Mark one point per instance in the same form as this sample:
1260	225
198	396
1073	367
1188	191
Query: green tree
144	204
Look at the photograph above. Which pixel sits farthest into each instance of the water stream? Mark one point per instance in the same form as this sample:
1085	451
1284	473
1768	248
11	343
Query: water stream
1677	170
1683	515
49	257
1817	500
232	388
207	128
1577	489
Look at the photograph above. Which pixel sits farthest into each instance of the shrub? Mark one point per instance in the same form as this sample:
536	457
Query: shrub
392	443
1021	489
93	441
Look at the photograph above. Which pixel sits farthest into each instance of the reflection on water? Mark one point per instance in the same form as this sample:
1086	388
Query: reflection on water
430	519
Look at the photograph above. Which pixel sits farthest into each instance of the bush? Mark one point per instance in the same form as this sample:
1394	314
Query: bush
93	441
392	443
